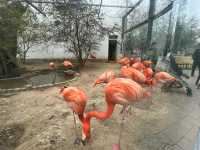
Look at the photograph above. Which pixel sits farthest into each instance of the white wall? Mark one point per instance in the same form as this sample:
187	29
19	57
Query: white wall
102	53
46	50
54	51
50	51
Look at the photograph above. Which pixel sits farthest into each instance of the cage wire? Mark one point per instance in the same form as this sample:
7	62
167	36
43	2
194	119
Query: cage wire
135	40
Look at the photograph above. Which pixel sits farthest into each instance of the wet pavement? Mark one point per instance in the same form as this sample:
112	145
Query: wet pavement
177	124
34	80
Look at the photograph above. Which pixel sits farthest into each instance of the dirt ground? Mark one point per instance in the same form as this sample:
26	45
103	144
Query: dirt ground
41	120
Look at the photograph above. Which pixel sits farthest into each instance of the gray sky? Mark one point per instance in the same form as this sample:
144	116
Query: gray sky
194	8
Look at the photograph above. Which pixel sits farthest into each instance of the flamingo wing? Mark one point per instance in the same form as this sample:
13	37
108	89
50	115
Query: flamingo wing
105	77
67	63
124	61
75	98
123	91
164	77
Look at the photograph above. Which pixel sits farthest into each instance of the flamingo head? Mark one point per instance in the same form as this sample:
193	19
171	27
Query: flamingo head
62	89
147	63
124	61
98	81
85	134
105	77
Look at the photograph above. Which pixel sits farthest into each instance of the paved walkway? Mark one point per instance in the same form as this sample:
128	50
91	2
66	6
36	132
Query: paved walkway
178	130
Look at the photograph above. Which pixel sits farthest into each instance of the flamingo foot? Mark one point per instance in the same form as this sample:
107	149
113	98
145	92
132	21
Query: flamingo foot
116	147
129	110
77	141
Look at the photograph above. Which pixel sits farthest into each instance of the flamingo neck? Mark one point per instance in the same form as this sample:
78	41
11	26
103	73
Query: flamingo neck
81	117
97	115
101	115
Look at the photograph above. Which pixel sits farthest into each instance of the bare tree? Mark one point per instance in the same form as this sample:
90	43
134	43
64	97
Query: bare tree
29	36
80	27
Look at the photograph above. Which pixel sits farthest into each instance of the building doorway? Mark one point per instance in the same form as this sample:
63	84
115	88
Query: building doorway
112	48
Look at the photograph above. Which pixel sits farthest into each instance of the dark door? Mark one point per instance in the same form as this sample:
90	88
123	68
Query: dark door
112	49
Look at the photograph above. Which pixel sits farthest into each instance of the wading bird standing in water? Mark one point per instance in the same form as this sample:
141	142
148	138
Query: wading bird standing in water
67	64
52	67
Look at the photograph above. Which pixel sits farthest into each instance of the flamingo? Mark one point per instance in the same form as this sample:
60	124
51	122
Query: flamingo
93	55
76	100
148	73
105	77
53	68
139	66
164	77
67	64
118	91
125	72
132	73
147	63
134	60
124	61
51	65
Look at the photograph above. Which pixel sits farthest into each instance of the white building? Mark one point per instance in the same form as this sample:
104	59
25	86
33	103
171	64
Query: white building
109	48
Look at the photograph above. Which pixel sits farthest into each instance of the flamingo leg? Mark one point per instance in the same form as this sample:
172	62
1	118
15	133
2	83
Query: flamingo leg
124	112
77	141
124	108
54	76
127	109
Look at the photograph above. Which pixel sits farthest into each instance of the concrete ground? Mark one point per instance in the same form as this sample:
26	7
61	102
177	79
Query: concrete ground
177	123
41	120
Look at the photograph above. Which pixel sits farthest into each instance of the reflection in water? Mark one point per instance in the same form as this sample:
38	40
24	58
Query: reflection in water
39	79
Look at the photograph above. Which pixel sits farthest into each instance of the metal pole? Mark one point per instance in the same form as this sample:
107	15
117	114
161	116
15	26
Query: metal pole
74	3
150	23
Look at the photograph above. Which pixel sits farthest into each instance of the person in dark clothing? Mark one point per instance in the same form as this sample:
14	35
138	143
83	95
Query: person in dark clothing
196	63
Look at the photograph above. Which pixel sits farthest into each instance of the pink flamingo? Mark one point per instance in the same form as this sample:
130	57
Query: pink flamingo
124	61
118	91
76	100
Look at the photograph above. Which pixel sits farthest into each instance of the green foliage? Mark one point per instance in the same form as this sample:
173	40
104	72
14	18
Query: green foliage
10	22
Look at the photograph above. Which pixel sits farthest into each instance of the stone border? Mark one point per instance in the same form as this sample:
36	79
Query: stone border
2	91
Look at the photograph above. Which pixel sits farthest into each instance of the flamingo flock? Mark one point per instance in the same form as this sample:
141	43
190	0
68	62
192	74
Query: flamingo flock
124	88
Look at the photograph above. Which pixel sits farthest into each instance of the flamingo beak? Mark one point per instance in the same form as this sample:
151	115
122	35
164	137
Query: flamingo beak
84	142
62	89
84	139
96	82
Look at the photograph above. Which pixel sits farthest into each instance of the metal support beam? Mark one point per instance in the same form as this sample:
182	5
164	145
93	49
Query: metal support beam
124	24
133	7
161	13
150	23
73	3
30	3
